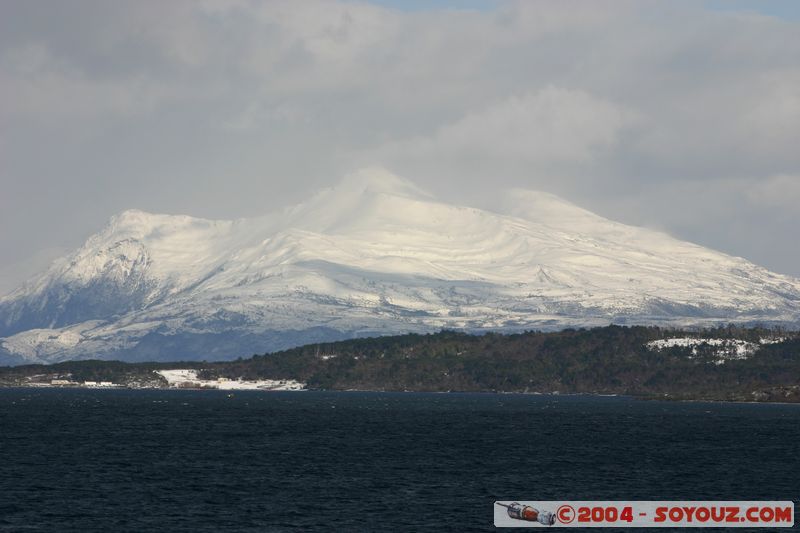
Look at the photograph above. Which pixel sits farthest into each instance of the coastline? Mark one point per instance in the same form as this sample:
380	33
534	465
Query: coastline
642	398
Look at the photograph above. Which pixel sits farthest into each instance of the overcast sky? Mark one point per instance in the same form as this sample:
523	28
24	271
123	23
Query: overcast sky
681	116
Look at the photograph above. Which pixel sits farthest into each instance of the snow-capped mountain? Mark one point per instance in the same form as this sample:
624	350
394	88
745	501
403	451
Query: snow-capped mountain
373	255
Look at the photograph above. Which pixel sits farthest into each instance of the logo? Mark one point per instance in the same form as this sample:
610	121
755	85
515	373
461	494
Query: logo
526	513
565	514
671	514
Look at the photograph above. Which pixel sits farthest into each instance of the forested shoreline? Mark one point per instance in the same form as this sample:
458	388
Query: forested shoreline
727	363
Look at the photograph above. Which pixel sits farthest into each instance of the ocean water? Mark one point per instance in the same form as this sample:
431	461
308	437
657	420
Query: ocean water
159	460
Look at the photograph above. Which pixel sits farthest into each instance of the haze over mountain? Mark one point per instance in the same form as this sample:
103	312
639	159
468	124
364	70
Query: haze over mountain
373	255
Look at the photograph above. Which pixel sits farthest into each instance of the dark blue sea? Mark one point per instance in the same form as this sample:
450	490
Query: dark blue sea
158	460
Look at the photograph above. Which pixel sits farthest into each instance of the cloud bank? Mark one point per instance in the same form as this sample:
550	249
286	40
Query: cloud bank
665	114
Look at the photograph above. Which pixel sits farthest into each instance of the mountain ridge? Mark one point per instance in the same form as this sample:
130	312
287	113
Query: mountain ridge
373	255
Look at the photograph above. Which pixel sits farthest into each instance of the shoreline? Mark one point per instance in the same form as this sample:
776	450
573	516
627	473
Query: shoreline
372	391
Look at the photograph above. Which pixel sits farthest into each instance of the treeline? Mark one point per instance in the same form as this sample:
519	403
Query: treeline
90	370
607	360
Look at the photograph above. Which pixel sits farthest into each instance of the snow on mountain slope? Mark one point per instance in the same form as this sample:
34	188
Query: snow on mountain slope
373	255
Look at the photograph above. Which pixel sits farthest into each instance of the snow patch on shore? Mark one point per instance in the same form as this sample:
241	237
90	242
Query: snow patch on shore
184	378
724	349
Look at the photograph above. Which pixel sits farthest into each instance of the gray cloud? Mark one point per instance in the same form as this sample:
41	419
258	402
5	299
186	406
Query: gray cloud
656	113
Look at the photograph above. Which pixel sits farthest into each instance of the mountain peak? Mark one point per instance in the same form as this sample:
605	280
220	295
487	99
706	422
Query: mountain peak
375	254
378	180
132	216
135	221
355	198
546	208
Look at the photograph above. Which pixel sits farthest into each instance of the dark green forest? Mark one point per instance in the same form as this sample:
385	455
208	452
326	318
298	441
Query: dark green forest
607	360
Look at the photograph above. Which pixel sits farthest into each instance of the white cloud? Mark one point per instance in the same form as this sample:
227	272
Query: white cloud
774	119
782	192
552	124
222	109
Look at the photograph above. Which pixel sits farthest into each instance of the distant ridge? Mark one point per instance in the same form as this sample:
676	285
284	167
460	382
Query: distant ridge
373	255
